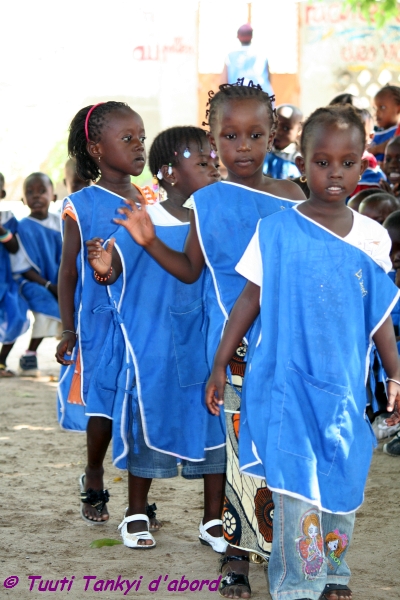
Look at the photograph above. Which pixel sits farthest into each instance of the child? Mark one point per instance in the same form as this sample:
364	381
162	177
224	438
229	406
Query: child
107	142
280	162
391	164
242	124
356	199
163	321
13	308
72	181
40	241
303	424
379	206
387	107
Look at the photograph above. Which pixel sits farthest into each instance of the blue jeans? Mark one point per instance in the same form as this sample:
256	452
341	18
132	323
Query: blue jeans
308	549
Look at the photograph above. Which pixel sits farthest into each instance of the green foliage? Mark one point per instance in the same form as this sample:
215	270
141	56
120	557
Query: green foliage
379	12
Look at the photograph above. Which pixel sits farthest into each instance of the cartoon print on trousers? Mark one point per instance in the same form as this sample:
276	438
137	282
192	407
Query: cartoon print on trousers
310	545
335	543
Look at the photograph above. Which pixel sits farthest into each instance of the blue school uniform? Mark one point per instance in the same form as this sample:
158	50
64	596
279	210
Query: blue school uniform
165	368
41	246
383	136
226	219
13	307
303	410
94	209
280	164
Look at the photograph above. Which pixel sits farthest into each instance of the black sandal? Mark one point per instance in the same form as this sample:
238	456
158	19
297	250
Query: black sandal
97	499
232	578
333	587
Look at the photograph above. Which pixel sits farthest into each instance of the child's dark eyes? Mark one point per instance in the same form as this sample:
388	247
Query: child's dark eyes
231	136
203	164
256	136
348	163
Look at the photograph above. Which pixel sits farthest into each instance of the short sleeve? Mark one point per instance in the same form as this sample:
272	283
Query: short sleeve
250	265
68	210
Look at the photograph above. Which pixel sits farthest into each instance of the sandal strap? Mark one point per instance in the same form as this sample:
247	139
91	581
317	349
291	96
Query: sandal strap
210	524
333	587
98	499
134	518
228	559
151	510
232	578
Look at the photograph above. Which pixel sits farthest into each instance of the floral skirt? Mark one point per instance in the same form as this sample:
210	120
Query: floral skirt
248	507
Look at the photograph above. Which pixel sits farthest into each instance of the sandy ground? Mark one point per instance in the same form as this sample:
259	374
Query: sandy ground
43	535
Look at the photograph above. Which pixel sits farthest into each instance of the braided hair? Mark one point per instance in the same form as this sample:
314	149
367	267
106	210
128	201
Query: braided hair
393	90
86	167
169	145
330	115
238	91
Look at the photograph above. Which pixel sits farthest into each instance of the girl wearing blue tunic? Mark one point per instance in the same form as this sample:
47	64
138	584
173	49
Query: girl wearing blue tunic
317	277
242	124
13	308
159	409
107	141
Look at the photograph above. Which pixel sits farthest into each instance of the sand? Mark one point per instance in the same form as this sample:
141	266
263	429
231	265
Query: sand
43	535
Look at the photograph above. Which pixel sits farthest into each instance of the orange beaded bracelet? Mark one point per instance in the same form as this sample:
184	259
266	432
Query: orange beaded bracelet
105	278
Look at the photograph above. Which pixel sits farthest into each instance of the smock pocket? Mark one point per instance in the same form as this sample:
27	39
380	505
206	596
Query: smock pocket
312	415
189	343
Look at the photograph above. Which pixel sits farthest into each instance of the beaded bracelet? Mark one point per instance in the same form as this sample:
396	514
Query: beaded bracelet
394	380
69	331
105	278
6	237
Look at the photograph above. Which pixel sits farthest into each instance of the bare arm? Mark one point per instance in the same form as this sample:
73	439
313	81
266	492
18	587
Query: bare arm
243	314
67	280
12	246
185	266
385	342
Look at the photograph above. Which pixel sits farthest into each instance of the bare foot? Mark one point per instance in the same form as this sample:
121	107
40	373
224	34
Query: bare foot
240	589
94	480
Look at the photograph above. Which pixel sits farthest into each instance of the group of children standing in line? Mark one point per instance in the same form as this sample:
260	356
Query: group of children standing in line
243	283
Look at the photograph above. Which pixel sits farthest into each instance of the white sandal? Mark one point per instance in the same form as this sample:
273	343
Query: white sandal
132	539
218	544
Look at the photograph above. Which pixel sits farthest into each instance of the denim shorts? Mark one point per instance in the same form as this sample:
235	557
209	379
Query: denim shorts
146	462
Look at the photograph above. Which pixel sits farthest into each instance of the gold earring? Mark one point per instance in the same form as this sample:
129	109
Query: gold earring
172	183
359	179
99	158
303	179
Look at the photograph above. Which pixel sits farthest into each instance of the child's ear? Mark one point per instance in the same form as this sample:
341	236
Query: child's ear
65	182
300	164
3	194
22	200
169	177
94	150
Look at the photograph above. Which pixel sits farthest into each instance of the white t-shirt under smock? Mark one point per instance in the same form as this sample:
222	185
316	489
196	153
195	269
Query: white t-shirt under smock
160	216
366	234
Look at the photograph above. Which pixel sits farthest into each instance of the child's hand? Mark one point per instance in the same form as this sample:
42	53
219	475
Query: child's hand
215	390
393	395
377	148
137	222
53	289
100	259
393	420
66	346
